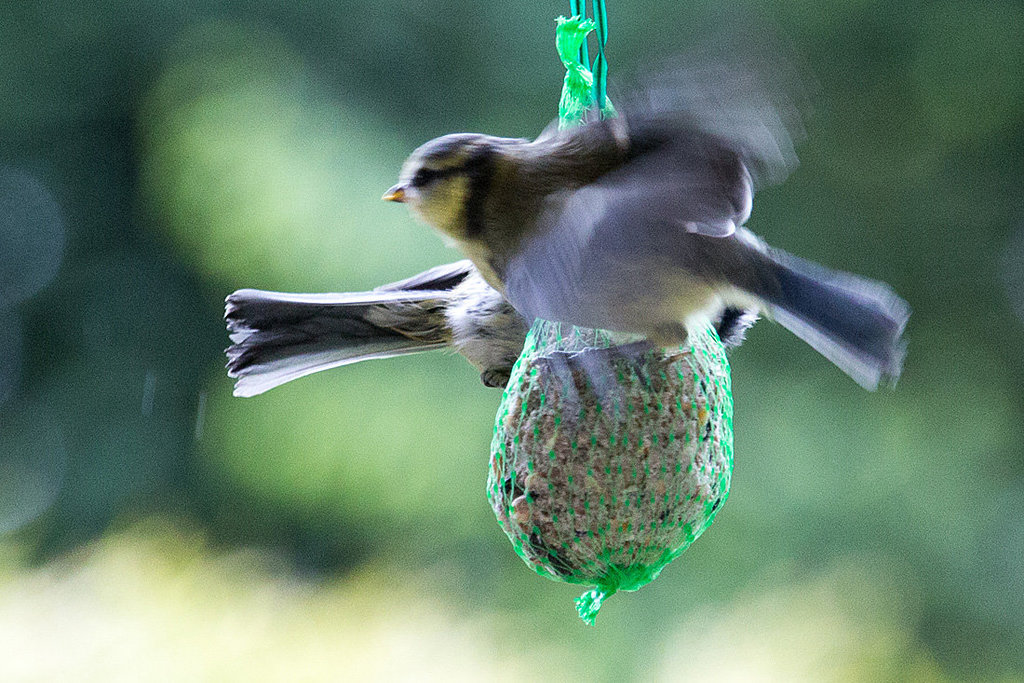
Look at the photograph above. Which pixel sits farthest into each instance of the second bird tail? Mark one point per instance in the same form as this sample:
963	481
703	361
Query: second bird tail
278	337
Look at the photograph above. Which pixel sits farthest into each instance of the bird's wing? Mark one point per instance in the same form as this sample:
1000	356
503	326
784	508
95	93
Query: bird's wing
752	104
692	144
655	210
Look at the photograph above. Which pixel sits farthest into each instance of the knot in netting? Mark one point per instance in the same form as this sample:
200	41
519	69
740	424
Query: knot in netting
578	86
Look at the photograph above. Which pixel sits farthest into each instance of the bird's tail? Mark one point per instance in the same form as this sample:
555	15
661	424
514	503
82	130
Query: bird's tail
278	337
854	322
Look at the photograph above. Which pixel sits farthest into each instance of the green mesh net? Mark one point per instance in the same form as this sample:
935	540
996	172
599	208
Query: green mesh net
604	485
603	478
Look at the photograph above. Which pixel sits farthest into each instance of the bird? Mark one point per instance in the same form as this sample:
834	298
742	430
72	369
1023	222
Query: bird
279	337
636	223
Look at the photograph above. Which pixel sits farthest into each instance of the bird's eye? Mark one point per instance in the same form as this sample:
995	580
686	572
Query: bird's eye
424	176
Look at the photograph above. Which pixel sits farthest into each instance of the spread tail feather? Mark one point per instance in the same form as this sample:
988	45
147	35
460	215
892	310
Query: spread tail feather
279	337
854	322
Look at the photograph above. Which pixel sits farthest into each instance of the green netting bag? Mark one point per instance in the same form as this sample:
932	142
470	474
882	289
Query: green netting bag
607	464
605	485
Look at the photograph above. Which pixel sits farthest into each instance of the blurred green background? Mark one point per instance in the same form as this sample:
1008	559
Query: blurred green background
155	156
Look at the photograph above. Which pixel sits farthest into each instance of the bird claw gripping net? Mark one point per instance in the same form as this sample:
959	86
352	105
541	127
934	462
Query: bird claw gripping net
603	478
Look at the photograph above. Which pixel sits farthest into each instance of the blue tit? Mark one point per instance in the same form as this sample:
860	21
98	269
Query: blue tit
635	224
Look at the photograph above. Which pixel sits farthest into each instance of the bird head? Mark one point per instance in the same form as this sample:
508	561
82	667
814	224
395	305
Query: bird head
445	179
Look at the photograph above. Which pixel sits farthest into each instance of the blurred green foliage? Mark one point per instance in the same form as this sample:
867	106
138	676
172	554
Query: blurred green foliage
155	156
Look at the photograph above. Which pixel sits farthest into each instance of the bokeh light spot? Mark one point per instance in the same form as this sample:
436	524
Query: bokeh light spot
31	236
265	178
33	460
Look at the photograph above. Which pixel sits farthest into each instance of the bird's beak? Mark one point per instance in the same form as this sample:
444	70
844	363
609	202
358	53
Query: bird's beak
395	194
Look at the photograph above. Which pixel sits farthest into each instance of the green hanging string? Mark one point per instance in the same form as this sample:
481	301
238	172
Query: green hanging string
578	8
601	64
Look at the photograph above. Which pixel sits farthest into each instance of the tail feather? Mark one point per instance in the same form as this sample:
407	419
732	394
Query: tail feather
257	378
278	337
854	322
439	278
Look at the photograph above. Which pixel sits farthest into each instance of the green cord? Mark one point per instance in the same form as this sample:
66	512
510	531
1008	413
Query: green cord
601	64
578	8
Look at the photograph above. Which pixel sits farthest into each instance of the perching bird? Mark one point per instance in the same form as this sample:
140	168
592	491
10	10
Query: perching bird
634	224
280	337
